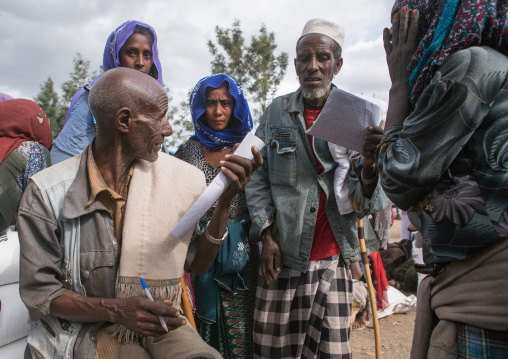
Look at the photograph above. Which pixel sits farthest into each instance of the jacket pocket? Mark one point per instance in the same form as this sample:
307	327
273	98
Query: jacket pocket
97	272
53	338
282	161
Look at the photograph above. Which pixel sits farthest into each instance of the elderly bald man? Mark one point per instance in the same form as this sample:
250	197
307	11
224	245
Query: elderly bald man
303	298
92	226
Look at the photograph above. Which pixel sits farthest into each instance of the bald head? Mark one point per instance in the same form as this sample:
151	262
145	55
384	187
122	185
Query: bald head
121	88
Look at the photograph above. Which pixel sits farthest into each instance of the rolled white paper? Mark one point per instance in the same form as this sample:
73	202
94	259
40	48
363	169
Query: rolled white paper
214	190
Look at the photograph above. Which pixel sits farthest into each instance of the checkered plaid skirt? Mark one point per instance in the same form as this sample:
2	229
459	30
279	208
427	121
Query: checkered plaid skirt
305	315
478	343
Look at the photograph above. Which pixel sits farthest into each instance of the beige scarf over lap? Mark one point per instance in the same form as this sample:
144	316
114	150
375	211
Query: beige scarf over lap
160	193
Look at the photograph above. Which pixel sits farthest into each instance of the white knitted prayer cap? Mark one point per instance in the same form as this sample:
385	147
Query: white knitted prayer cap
325	27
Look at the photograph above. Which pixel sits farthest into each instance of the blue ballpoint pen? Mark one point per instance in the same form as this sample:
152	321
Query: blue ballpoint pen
361	162
145	287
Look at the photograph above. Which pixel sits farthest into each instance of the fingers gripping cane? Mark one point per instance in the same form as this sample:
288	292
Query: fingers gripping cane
372	296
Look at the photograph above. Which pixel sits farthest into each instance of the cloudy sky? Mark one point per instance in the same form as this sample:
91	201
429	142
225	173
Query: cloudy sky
40	38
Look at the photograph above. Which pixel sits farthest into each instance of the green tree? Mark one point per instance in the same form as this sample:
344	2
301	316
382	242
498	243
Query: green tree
232	61
256	67
55	106
181	122
79	76
265	69
48	99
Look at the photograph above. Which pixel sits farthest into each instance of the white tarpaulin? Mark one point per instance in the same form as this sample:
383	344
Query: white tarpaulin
15	350
9	258
399	303
14	322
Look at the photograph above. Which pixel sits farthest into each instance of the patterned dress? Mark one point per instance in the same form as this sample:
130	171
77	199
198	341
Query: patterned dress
25	161
231	334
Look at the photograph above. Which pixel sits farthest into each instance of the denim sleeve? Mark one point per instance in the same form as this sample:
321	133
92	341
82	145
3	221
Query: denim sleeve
77	133
363	205
413	156
258	191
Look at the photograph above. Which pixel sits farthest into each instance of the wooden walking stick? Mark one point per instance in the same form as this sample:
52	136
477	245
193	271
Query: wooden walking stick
187	308
372	295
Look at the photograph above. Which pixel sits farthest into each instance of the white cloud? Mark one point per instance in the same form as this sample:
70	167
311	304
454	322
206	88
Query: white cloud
40	38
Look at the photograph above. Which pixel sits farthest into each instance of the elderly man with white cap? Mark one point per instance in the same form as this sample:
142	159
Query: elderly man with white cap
303	298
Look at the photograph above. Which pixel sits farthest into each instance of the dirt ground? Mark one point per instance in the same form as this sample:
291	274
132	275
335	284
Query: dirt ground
396	330
396	337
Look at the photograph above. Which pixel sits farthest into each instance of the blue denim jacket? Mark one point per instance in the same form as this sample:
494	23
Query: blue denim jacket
284	192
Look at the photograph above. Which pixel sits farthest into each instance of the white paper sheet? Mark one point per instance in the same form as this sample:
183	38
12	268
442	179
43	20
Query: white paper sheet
344	120
214	190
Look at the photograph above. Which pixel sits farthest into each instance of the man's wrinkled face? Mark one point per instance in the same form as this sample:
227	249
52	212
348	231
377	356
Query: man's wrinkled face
149	127
315	65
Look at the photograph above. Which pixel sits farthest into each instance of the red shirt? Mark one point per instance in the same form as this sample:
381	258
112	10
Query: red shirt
324	244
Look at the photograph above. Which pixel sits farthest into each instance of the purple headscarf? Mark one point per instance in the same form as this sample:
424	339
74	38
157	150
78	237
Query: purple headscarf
4	97
118	38
112	51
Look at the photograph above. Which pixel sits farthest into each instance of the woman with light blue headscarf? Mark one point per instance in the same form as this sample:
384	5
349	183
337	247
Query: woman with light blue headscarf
134	45
224	298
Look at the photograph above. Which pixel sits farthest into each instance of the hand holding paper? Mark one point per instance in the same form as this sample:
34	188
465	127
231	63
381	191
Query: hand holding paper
215	189
344	120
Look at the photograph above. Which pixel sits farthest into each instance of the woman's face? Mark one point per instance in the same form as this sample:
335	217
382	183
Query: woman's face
219	107
136	53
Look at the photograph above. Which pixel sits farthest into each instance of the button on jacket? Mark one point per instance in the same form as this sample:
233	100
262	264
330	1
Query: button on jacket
284	192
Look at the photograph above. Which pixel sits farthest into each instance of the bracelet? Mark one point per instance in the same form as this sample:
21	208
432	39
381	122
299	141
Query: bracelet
370	180
213	240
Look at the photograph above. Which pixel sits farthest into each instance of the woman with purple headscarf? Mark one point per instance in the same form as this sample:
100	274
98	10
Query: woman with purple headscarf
133	44
444	159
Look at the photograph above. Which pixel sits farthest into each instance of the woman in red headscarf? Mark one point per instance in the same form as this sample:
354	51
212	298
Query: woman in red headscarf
25	141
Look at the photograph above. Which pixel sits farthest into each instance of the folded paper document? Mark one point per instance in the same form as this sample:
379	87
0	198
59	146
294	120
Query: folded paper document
344	120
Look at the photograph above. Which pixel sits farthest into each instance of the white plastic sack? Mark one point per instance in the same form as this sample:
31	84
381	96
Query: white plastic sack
417	254
15	350
14	322
399	303
9	259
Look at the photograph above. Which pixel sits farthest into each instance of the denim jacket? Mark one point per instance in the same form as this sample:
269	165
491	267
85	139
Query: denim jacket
284	192
77	133
80	254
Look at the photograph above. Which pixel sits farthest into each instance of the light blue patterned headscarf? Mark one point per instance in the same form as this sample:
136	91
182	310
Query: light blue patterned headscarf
447	26
236	130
